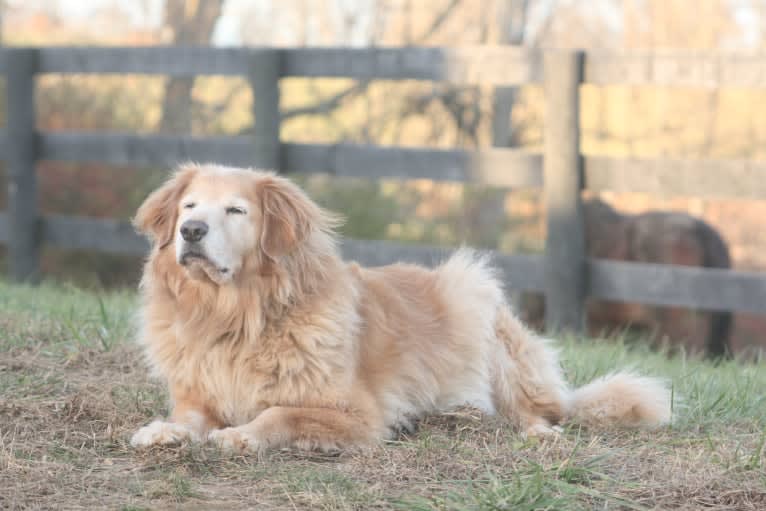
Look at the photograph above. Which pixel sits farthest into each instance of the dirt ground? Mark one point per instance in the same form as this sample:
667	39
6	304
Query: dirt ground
65	423
73	389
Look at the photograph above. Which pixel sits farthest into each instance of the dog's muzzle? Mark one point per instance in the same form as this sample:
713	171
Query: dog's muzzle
192	252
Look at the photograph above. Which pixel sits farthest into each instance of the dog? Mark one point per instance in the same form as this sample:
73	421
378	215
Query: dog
266	338
659	237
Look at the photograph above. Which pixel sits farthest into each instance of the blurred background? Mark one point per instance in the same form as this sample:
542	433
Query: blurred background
616	121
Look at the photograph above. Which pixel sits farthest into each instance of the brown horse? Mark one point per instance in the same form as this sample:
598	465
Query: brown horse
655	237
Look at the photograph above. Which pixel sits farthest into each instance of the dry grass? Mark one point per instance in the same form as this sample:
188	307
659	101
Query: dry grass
73	389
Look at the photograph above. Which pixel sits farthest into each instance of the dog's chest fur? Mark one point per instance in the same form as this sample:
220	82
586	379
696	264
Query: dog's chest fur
301	360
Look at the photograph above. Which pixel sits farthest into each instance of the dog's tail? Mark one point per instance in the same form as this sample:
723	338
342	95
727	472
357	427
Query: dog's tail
622	398
528	385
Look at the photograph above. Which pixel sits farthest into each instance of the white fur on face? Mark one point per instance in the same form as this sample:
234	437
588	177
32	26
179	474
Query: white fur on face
231	234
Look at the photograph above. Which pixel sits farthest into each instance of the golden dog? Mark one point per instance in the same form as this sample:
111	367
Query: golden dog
267	338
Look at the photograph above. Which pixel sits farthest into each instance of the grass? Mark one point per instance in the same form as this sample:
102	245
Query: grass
73	388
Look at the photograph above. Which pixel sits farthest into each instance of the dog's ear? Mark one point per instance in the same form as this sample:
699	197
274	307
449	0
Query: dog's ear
288	216
156	217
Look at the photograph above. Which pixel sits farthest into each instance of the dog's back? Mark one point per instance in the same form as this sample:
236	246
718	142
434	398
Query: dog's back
436	339
427	334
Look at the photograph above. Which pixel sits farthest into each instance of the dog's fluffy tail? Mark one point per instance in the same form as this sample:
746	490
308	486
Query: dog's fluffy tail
624	399
529	385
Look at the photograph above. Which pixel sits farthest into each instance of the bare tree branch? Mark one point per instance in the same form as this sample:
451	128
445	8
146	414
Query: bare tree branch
207	113
334	102
440	19
329	104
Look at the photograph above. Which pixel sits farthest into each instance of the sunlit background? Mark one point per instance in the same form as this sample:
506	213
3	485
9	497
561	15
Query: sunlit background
616	120
74	387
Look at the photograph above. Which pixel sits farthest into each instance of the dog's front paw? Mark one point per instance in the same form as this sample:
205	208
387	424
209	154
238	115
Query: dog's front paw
543	431
233	439
161	433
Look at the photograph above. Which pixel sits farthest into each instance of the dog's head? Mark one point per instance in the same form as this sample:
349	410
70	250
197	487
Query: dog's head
223	222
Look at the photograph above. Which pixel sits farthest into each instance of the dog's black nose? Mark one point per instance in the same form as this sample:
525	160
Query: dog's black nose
193	230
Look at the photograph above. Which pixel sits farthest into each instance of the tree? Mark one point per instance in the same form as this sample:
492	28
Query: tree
512	21
515	28
190	22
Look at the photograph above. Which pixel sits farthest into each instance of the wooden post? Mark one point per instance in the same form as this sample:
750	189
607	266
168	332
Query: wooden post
20	146
565	256
265	72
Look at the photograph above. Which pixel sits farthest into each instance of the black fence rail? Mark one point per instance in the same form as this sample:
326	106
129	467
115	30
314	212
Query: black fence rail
563	273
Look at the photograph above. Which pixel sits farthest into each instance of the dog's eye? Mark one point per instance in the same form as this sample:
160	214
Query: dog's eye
189	205
233	210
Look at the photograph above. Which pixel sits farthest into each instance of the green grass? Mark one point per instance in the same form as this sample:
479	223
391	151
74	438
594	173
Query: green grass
64	316
73	388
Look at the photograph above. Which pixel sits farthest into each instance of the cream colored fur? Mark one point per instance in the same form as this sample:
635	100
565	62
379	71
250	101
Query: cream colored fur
294	347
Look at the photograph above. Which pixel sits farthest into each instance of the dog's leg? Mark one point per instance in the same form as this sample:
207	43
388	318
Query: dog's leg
323	429
528	387
189	421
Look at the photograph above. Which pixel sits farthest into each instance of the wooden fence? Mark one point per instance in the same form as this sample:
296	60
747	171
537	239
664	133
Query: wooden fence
564	273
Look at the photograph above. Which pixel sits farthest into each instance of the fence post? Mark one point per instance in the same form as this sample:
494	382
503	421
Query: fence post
265	71
565	256
20	145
